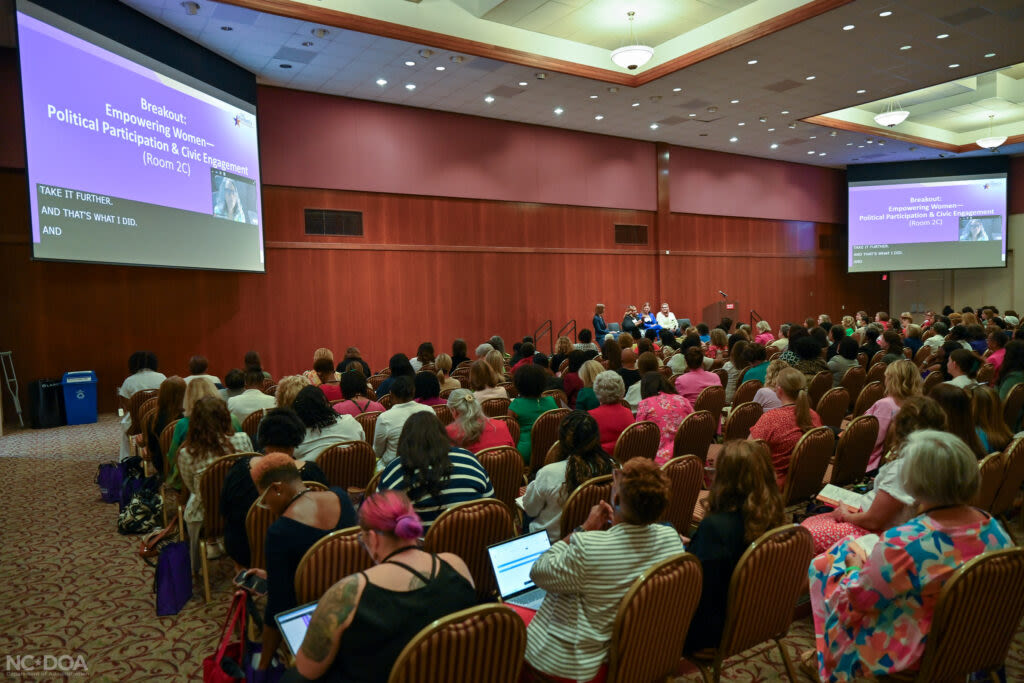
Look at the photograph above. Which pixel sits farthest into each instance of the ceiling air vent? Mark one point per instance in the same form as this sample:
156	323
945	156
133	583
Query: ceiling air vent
630	234
330	222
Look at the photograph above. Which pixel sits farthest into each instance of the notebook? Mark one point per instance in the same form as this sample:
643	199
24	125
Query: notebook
512	561
293	624
833	495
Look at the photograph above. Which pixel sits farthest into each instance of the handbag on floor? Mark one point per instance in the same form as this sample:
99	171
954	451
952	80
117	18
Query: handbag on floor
173	580
108	478
229	651
142	513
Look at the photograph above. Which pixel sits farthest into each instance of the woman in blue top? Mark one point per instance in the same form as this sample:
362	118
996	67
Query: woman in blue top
600	329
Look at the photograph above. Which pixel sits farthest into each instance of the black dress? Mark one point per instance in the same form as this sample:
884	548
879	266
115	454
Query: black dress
718	544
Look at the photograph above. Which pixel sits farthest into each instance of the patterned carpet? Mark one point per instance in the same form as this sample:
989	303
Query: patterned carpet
71	586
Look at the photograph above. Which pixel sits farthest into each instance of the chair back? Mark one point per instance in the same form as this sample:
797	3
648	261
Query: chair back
872	392
1012	407
807	465
446	393
745	392
652	621
638	440
991	471
877	372
511	423
1013	477
696	432
832	407
560	398
371	488
332	558
211	482
853	381
504	466
368	421
563	366
348	464
763	591
923	354
387	400
376	380
741	418
986	373
711	399
877	358
666	371
976	617
147	412
495	407
819	384
466	529
545	433
554	454
934	377
854	450
443	414
510	389
134	408
482	643
723	375
586	496
166	436
257	522
270	390
251	424
686	476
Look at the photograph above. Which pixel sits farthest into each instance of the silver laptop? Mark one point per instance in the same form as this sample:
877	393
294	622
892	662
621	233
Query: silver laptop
293	625
512	561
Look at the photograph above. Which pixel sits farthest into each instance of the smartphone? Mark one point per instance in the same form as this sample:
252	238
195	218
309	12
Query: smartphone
251	582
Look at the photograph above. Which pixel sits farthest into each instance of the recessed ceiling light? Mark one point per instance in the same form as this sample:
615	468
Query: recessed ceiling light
785	111
741	123
599	117
774	145
821	154
734	139
861	91
635	104
860	146
541	75
953	66
286	66
457	59
734	101
319	32
881	144
771	130
849	27
793	125
489	99
810	78
990	55
593	97
410	63
523	84
869	141
228	28
849	144
654	126
438	68
751	62
906	47
813	137
410	86
381	82
762	119
677	89
425	53
885	13
692	115
810	151
558	111
942	36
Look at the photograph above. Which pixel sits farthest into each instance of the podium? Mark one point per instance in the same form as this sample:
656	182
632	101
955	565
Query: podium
713	313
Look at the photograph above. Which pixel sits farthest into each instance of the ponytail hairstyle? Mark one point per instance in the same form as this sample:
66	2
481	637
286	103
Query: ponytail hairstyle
580	439
390	512
745	482
793	384
469	417
443	363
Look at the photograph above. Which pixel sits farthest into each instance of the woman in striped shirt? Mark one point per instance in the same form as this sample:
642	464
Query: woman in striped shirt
433	473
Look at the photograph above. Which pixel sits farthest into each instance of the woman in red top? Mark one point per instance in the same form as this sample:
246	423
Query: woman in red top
324	369
612	417
470	428
782	428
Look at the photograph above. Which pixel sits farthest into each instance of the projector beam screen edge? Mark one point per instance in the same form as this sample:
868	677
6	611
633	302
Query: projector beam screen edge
130	161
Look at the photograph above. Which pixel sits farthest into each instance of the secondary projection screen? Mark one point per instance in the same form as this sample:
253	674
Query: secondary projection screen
131	161
927	223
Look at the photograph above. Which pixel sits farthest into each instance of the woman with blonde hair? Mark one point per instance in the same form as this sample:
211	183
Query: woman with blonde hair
195	390
764	333
719	344
288	388
470	428
311	375
563	347
902	380
496	360
782	428
483	380
766	395
443	363
848	325
586	399
988	416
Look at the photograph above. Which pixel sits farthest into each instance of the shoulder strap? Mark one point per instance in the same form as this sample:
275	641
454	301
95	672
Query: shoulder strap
415	573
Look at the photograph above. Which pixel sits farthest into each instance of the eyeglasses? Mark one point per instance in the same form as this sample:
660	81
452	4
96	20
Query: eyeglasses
260	502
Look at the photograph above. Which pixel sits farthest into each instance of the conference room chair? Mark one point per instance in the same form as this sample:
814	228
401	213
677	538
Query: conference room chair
482	643
586	496
876	373
467	529
387	400
853	451
819	384
446	393
991	471
741	418
443	414
251	424
877	358
510	422
807	465
907	353
376	380
986	373
371	486
429	368
272	390
686	475
266	384
368	421
166	436
723	375
763	592
563	366
1012	407
745	391
545	433
211	482
773	354
257	523
666	372
1013	478
869	395
504	466
348	465
922	355
711	399
332	558
560	398
695	434
832	406
931	380
496	407
135	408
975	620
553	455
638	440
652	621
510	389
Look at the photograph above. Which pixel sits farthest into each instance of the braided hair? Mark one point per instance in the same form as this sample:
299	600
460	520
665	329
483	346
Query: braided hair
580	439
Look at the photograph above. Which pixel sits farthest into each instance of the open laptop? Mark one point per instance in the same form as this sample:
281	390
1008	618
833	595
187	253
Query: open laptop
512	561
293	625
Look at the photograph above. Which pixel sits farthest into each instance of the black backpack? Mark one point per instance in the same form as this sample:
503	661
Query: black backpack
143	512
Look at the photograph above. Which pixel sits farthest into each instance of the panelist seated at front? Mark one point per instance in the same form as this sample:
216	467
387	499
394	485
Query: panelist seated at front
648	319
667	320
632	322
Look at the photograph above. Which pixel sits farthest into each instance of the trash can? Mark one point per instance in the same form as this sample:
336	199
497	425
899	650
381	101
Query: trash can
46	403
80	397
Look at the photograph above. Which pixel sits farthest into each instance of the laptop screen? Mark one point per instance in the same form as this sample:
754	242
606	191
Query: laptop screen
513	560
293	625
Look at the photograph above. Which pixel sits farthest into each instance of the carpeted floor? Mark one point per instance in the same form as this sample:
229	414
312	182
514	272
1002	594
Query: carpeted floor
71	586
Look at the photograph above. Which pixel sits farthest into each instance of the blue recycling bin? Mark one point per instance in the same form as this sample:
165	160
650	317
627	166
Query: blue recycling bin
80	397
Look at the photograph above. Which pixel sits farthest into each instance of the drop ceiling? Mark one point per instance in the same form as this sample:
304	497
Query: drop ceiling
749	100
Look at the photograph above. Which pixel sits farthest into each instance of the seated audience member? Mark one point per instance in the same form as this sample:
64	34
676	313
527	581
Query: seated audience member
956	403
400	366
987	411
470	428
939	338
873	608
997	341
353	393
781	343
194	391
582	458
324	427
696	378
962	366
845	358
326	379
280	431
198	367
660	404
668	340
887	504
482	350
612	417
389	424
835	335
756	357
433	473
325	372
427	389
353	358
600	328
764	333
563	347
142	366
902	380
304	516
571	382
628	372
587	574
667	320
913	340
892	343
405	591
882	318
234	384
252	399
958	333
782	428
497	362
498	344
870	346
744	503
210	436
631	322
1012	372
611	352
169	407
734	367
808	350
252	362
529	405
424	355
459	353
848	325
976	338
484	382
288	388
795	332
586	399
526	352
719	344
766	395
586	344
443	363
820	335
647	362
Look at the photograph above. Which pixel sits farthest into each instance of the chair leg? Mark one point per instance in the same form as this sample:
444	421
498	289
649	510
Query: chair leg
703	671
206	569
790	671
